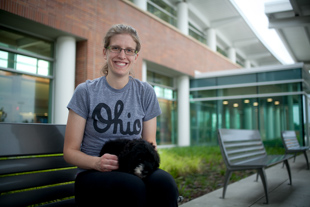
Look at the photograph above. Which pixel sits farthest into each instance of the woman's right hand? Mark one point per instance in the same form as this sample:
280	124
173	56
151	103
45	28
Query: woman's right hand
107	163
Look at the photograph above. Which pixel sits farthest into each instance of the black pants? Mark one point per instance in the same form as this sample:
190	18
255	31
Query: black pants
94	188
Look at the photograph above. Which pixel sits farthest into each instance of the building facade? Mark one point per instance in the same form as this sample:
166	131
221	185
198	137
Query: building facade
271	99
47	48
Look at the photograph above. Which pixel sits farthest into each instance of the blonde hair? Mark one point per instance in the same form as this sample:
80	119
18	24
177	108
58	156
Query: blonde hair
120	29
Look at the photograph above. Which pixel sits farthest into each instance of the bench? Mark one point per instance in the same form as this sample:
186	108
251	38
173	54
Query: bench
291	145
244	150
32	168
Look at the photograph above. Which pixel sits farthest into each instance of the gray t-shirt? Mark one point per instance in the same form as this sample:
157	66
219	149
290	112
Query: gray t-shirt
111	113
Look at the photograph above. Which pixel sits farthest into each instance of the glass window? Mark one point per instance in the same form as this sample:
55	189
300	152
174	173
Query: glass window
166	132
25	78
238	113
203	94
156	78
271	115
236	79
203	122
279	75
221	51
203	82
164	92
224	92
23	98
277	114
197	34
237	91
25	64
240	62
25	43
44	67
4	59
163	11
280	88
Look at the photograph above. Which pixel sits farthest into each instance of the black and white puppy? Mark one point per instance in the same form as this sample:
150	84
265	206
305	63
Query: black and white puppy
137	156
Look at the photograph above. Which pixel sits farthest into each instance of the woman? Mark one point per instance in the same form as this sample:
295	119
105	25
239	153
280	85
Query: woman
114	106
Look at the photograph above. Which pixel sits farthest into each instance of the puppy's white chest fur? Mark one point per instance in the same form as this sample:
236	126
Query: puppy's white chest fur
138	170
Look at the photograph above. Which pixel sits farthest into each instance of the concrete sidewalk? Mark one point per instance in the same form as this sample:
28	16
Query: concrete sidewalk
247	192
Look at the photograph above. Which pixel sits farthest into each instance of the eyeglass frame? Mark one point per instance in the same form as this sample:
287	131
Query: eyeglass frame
120	50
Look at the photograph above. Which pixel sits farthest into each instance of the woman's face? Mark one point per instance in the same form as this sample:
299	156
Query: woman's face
119	64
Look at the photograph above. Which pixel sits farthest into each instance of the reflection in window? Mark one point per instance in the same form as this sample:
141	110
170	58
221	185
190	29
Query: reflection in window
25	43
203	94
270	115
163	92
25	73
197	34
166	132
163	11
155	78
203	122
279	75
279	88
24	98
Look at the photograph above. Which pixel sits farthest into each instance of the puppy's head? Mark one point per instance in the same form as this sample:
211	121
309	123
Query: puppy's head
140	158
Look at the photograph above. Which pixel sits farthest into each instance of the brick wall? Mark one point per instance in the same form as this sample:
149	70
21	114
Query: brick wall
90	20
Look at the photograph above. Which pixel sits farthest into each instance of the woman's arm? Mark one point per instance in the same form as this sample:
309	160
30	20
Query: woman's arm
72	153
149	131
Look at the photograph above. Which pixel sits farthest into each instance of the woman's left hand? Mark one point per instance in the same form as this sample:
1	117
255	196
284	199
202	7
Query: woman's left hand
107	163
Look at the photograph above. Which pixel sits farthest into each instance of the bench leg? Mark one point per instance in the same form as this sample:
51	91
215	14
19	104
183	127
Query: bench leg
305	153
288	171
227	177
257	174
262	174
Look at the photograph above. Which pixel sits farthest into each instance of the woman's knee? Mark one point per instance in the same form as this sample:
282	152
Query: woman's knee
162	189
161	178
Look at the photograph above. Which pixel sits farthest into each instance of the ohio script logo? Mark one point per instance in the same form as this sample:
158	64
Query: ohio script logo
116	121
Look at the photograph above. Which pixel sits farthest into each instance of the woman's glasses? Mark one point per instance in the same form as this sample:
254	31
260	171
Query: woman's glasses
117	49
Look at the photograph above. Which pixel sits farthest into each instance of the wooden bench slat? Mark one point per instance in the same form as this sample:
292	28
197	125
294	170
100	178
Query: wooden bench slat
37	196
24	181
31	164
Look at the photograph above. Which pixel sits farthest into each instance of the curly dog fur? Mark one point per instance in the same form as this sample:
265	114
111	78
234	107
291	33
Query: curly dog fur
137	156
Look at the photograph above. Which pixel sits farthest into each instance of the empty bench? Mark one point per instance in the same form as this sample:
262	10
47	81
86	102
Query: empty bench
244	150
291	145
32	168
